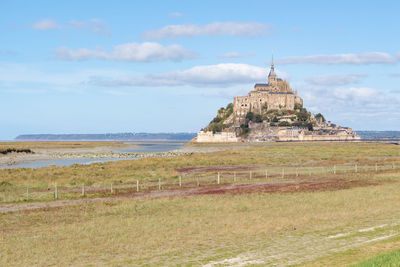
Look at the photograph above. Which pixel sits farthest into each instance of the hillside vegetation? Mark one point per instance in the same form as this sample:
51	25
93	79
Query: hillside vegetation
220	122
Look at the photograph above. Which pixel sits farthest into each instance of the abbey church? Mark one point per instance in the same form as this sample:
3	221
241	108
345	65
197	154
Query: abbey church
276	94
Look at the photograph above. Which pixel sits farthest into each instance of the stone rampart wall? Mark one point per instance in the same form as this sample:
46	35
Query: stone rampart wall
210	137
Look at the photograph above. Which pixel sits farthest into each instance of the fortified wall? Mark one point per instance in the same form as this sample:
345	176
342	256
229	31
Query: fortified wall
222	137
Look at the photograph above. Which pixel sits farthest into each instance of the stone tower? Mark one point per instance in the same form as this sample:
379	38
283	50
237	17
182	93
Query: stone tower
272	79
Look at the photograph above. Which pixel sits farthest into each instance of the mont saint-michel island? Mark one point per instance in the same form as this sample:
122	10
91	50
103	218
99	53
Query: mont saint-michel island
272	111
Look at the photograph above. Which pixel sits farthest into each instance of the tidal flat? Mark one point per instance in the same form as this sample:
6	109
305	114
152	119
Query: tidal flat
42	154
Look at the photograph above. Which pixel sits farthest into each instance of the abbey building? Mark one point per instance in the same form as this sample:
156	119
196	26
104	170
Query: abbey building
274	95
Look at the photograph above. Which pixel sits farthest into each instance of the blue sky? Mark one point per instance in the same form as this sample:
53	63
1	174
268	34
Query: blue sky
167	66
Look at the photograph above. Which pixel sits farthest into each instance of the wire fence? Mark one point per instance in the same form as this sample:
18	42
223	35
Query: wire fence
11	193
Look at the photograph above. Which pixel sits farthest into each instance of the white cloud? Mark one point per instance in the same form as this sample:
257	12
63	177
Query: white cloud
362	58
135	52
213	29
230	55
80	54
221	75
94	25
334	79
356	93
97	26
351	105
17	76
175	15
46	24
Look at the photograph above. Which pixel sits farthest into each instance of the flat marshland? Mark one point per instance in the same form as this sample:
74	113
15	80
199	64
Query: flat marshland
322	204
45	151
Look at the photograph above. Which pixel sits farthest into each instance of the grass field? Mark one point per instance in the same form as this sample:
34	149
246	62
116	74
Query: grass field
327	226
276	154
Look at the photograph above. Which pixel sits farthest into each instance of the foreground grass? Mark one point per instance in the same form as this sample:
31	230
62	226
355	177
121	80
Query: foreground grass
201	229
357	256
389	259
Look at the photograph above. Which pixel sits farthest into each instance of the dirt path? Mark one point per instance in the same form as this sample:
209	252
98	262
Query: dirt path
245	188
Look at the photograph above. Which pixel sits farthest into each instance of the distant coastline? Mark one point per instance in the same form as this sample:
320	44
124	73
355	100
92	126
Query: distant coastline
108	137
365	135
379	135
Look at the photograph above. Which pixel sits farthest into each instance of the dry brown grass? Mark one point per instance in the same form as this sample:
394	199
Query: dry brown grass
197	230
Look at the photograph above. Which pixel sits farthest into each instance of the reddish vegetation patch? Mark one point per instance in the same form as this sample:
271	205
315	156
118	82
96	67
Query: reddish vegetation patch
285	187
216	168
267	187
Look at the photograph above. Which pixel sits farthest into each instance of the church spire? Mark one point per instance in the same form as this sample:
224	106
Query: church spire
272	71
272	61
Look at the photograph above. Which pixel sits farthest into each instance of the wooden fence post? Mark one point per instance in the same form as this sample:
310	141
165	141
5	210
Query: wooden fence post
83	190
283	173
266	174
234	176
27	193
334	169
218	179
250	174
159	183
137	185
55	192
376	167
111	188
198	182
355	167
180	181
297	172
